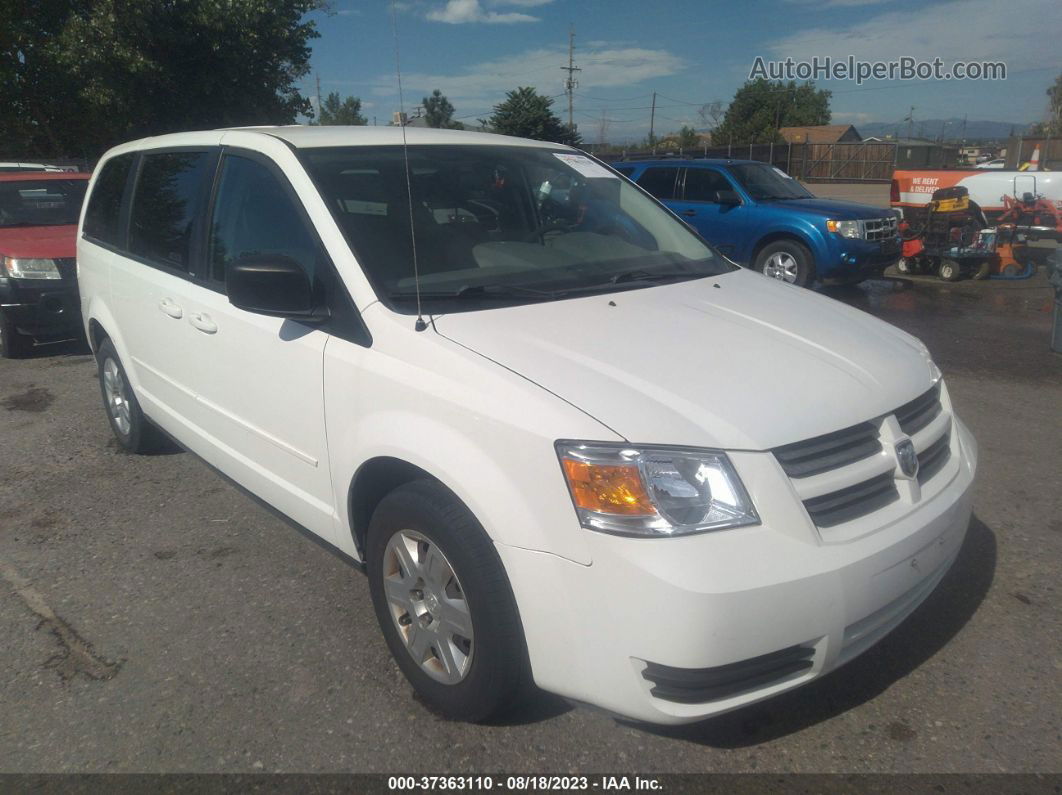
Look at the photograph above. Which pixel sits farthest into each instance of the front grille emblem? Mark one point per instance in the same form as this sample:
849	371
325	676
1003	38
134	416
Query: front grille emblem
907	458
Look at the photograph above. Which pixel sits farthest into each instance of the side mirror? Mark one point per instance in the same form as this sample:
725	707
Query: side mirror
271	284
727	197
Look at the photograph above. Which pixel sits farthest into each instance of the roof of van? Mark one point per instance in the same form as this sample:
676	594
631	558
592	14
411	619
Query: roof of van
304	136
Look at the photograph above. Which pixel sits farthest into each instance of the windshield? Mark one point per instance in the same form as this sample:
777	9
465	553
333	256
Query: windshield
762	181
42	202
501	225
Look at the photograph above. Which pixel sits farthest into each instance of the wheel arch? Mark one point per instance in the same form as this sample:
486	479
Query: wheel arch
374	480
96	334
778	236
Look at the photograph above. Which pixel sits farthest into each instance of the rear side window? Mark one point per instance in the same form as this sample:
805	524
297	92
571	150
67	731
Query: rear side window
625	170
254	215
102	217
168	196
659	181
703	183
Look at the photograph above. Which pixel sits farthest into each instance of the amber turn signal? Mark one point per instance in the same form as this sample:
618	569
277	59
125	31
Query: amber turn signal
608	489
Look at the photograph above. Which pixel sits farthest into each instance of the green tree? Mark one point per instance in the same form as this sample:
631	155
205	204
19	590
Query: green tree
526	114
1053	124
439	113
687	137
335	111
761	106
77	76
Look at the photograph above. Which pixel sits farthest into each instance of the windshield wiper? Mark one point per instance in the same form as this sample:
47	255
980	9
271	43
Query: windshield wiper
651	276
502	291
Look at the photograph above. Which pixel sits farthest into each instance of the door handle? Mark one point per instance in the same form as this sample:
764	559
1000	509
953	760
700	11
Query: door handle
170	308
689	213
203	322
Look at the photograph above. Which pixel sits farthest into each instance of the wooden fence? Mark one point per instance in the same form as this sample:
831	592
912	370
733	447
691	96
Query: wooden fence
841	162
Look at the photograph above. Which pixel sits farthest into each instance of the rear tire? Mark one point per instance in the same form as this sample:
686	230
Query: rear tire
132	430
456	635
12	344
788	261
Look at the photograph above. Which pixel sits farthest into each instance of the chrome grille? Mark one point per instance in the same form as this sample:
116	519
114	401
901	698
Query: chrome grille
853	501
933	458
921	411
880	228
847	474
830	451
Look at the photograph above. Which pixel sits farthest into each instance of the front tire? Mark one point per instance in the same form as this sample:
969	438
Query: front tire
787	261
132	430
444	604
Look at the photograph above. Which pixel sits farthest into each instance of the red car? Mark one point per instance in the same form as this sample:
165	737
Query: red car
38	282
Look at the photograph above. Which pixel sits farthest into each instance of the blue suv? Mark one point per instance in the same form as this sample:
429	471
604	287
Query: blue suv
759	216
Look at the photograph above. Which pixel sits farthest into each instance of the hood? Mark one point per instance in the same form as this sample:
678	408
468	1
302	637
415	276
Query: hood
829	208
736	361
50	242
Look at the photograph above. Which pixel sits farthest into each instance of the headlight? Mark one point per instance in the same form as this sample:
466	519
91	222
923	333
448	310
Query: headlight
18	268
852	229
653	491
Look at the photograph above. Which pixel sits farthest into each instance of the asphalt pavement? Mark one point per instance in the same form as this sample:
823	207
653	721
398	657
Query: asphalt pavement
153	618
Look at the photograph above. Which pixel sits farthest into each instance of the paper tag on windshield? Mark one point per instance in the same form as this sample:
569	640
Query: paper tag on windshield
780	172
585	166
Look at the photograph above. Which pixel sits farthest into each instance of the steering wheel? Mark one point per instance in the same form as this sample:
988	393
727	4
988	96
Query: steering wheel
555	225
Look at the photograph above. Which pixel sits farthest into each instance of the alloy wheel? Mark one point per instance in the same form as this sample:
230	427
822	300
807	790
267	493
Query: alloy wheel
782	265
114	391
428	606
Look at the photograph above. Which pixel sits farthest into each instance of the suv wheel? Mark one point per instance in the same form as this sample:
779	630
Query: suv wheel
131	428
444	603
788	261
12	344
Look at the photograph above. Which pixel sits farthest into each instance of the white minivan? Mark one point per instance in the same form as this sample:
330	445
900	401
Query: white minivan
569	443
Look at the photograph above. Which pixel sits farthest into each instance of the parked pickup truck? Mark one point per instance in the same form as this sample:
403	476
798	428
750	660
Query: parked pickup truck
759	216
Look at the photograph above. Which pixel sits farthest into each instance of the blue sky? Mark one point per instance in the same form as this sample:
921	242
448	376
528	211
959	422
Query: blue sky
688	51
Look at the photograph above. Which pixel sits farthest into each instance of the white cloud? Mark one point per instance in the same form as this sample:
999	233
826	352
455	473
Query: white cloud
955	30
850	117
458	12
522	3
478	87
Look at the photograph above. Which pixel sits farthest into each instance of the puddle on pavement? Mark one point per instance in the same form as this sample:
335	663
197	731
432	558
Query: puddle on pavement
35	399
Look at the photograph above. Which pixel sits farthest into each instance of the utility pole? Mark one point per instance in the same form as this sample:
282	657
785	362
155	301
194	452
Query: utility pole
652	122
318	97
910	121
571	82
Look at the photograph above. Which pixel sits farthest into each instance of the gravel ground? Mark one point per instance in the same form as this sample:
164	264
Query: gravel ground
155	619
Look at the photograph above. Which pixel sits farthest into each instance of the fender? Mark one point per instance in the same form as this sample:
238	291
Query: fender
800	229
483	431
532	511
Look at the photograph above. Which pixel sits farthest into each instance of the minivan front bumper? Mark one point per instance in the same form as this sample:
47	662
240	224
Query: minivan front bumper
675	630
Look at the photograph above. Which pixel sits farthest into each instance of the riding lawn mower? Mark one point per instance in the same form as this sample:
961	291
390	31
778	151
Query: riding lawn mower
952	238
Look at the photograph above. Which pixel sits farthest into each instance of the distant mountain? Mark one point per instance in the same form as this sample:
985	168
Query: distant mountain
948	129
